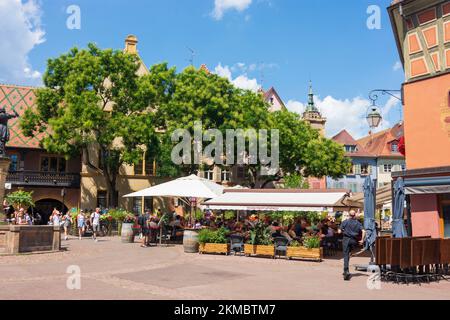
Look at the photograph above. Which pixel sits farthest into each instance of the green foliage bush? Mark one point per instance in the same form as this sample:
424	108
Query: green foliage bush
230	215
311	242
295	244
260	235
213	236
20	199
121	215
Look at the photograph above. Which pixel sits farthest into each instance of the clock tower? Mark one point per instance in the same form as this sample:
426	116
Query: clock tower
312	114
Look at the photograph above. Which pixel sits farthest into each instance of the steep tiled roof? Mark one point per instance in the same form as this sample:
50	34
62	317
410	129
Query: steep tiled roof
272	92
346	139
379	143
18	98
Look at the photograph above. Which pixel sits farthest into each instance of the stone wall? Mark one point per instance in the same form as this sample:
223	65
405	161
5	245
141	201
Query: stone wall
25	239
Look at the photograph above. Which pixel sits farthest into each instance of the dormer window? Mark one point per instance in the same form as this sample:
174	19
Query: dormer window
350	149
394	147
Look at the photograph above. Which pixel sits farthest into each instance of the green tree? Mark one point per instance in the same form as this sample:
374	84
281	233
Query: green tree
94	97
295	181
213	100
303	151
20	199
201	96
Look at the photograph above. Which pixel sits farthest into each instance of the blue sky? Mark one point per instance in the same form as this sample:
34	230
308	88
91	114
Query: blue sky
280	43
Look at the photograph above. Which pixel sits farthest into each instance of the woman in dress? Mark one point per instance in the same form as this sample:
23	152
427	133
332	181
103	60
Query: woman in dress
81	223
67	222
55	218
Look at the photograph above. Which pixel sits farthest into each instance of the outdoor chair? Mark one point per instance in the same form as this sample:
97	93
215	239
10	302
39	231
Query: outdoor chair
236	243
281	245
330	245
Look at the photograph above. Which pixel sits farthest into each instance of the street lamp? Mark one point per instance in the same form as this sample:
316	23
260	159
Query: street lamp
374	117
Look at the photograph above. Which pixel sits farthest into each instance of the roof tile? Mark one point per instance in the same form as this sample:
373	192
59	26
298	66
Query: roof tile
19	98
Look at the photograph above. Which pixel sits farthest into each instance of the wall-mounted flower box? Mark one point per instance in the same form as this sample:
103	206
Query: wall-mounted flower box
305	253
215	248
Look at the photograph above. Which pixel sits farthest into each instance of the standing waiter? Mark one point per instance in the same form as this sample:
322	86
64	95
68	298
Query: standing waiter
351	228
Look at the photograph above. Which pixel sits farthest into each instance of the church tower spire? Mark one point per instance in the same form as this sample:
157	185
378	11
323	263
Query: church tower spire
311	107
312	113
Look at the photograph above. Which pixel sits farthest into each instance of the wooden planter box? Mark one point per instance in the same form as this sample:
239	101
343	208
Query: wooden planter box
305	253
215	248
267	251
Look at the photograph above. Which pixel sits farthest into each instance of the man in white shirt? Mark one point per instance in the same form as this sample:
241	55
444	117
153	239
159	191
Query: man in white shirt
95	222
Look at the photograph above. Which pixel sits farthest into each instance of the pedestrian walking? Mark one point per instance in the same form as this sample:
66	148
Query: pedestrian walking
351	229
81	224
95	223
67	223
55	218
144	220
28	219
21	219
37	219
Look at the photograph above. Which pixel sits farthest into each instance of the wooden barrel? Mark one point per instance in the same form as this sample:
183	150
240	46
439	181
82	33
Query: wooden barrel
190	241
127	233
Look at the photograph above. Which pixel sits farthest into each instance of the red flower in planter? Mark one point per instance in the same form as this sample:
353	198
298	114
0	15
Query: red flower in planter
401	146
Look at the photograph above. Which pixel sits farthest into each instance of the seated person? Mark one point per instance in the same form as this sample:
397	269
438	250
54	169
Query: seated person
153	226
286	235
277	234
292	232
197	224
238	228
274	227
230	225
323	228
331	232
176	225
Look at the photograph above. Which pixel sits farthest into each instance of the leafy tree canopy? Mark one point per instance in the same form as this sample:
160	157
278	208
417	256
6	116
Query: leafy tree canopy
95	96
303	150
20	199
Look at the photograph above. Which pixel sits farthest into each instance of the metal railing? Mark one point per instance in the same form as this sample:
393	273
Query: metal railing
40	178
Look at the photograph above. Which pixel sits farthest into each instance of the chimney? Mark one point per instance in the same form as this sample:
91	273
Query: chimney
131	44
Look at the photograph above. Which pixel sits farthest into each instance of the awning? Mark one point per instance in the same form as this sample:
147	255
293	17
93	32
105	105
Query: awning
427	190
187	187
279	200
384	196
431	185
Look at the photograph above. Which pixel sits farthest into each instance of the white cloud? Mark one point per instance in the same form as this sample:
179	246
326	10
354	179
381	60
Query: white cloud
295	106
253	67
242	81
20	32
349	114
397	66
222	6
222	71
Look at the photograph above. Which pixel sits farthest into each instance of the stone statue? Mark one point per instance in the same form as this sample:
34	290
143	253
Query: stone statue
4	130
